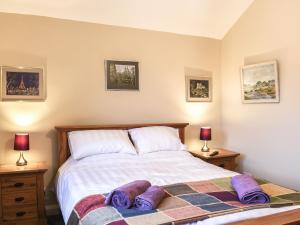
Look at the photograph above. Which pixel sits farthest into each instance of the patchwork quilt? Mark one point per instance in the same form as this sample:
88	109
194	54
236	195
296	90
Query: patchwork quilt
185	203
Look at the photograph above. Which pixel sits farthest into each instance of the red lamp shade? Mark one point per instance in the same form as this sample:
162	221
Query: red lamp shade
21	142
205	133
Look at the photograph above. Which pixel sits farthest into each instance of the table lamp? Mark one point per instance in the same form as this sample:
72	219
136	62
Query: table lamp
205	135
21	144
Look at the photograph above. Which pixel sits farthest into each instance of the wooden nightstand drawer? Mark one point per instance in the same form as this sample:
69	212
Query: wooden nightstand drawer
22	194
19	212
226	163
19	198
24	222
12	184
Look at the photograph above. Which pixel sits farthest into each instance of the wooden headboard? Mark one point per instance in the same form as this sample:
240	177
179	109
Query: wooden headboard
62	132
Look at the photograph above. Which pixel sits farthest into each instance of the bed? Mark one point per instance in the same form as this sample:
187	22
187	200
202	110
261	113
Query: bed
102	173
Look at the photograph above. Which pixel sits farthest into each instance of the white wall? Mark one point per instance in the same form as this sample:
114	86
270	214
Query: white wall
267	135
73	55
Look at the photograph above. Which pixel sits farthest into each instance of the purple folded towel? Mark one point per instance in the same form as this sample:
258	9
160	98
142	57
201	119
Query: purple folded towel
248	190
150	199
123	197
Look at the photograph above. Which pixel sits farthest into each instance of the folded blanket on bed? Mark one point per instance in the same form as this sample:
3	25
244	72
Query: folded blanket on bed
124	196
184	203
248	190
150	198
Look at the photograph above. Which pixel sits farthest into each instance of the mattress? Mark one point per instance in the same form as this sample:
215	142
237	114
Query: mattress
102	173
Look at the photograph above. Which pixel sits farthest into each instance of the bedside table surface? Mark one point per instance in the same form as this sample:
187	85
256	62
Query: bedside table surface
31	167
223	153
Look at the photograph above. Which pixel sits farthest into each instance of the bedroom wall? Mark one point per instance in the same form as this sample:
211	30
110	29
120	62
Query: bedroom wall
266	134
73	55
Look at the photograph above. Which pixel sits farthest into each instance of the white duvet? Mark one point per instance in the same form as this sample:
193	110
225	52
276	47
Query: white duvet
102	173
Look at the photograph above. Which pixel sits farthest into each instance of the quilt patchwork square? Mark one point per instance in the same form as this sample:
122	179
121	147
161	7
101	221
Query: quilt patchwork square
224	196
134	212
238	204
88	204
185	212
100	216
275	190
171	203
276	200
149	219
291	197
204	186
199	199
179	189
118	222
217	207
223	183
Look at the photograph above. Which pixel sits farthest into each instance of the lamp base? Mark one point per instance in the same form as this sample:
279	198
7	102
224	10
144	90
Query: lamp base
205	148
21	161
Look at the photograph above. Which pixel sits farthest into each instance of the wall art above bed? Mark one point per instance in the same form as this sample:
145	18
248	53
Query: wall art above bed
198	89
121	75
260	83
22	83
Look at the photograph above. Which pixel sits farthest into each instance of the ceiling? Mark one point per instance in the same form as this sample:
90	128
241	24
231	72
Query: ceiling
208	18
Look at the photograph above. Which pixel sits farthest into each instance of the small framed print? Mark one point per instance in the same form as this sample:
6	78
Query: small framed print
260	83
122	75
198	89
21	83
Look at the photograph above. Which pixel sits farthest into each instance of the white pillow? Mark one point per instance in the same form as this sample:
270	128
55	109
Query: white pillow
157	138
92	142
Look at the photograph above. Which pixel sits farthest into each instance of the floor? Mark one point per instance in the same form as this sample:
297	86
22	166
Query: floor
55	220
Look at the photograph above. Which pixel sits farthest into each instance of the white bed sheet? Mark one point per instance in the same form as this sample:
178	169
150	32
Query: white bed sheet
102	173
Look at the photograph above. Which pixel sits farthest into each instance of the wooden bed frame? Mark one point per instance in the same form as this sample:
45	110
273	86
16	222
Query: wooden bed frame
291	217
62	132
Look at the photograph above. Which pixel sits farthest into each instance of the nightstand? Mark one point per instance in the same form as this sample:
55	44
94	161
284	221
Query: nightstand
22	194
225	158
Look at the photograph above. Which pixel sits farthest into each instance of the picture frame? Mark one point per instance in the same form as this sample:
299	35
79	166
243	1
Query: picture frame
22	83
121	75
198	89
260	83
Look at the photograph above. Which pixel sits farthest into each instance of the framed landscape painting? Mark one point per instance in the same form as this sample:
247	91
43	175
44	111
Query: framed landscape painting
21	83
198	89
260	83
121	75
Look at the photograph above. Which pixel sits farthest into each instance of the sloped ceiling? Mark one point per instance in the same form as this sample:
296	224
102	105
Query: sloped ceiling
208	18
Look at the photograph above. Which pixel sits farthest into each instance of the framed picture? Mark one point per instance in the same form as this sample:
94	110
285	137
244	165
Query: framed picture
21	83
260	83
121	75
198	89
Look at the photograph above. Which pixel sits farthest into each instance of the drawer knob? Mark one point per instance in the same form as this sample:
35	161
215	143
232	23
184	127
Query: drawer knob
19	199
20	214
19	184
